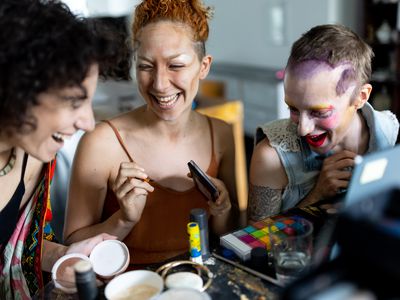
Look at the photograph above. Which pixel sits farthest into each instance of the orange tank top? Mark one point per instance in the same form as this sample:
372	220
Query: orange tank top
161	232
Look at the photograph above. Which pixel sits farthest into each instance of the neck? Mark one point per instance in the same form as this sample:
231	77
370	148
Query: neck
5	146
358	136
172	129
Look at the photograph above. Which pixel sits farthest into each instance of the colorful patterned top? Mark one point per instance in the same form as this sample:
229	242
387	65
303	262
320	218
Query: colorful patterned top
20	260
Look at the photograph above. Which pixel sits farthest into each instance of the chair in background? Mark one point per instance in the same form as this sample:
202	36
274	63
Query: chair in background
212	89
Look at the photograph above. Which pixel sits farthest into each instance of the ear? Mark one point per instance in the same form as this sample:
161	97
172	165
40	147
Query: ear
363	95
205	66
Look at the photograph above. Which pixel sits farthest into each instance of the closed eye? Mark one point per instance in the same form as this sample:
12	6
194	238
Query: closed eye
323	114
144	67
176	66
75	104
74	101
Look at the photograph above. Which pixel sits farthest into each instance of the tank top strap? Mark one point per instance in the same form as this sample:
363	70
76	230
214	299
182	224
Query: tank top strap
212	134
116	132
213	163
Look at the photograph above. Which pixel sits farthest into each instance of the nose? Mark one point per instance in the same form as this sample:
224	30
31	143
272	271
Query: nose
86	120
305	125
160	80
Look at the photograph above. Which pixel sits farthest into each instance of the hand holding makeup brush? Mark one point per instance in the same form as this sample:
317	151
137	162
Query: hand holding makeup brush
131	187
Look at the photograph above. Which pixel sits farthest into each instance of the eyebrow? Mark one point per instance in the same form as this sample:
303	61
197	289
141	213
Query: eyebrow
168	57
73	97
315	107
75	94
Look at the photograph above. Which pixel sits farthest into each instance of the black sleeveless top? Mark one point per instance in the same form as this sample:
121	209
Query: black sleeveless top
10	213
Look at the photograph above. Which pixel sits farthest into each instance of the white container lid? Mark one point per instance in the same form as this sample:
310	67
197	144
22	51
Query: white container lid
183	294
184	280
63	274
109	258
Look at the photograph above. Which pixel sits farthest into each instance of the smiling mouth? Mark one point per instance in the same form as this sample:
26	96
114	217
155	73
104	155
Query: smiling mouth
316	140
166	102
59	137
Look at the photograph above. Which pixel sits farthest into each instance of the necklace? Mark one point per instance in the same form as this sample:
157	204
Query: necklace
10	164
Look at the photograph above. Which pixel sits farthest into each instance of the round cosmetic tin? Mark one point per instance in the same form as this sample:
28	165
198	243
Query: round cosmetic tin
108	258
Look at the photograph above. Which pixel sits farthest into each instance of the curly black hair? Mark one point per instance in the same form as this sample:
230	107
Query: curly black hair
43	45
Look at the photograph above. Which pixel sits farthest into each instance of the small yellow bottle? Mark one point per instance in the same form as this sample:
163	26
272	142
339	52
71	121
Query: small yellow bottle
194	242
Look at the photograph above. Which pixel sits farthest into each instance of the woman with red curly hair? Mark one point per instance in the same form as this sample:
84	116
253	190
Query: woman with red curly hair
141	192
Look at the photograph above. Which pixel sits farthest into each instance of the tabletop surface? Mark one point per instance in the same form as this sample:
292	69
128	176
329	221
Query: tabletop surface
229	282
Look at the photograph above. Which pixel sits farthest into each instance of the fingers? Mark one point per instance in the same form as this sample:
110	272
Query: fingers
223	204
335	173
131	188
341	155
223	192
339	161
86	246
218	210
132	184
106	236
92	242
129	170
131	176
339	175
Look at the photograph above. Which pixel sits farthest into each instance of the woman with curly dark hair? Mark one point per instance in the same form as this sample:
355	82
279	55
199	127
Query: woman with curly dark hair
49	65
156	141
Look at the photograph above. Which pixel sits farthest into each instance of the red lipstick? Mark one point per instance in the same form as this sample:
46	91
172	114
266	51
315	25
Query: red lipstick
316	140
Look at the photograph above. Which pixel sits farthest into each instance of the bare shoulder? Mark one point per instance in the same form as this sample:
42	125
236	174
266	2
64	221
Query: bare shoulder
220	125
99	137
266	168
222	130
94	145
130	120
104	135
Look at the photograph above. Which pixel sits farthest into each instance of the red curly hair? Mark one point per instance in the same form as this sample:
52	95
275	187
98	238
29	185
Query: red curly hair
191	13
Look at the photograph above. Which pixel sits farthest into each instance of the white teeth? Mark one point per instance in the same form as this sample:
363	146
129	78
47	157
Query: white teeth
60	137
168	98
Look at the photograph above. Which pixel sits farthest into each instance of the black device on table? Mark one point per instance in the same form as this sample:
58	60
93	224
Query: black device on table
202	182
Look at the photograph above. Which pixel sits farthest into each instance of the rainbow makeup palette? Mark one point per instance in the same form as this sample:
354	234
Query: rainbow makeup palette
244	240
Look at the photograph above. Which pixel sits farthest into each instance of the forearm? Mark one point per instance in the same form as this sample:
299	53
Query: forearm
263	202
51	253
220	224
228	221
114	225
312	198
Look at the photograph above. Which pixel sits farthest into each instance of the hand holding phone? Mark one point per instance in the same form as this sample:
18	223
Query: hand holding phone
202	182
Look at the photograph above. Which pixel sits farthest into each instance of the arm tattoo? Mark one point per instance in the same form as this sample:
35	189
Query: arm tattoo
263	202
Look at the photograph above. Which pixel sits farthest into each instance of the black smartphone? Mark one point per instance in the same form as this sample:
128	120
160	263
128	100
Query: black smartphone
202	182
